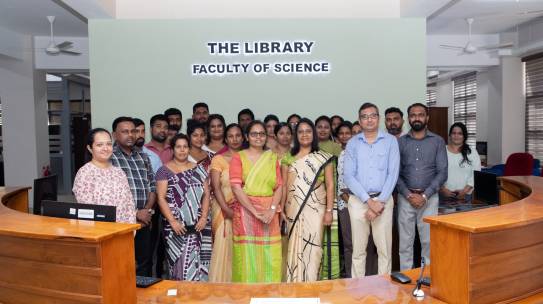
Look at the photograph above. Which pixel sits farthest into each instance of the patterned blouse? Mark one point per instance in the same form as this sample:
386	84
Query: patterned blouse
105	186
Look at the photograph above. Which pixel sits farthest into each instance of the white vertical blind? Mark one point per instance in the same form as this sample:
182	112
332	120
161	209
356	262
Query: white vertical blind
534	106
431	95
465	104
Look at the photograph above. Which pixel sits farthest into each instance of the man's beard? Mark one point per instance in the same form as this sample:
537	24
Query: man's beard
139	142
175	127
159	138
394	130
417	125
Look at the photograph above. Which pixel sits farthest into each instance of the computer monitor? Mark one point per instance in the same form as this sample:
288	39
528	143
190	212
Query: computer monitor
100	213
485	187
45	188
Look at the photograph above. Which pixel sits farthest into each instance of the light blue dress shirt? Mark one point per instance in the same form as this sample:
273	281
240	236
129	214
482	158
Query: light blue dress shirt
371	168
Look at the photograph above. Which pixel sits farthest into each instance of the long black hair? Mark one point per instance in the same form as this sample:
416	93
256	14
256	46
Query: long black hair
90	141
314	143
465	149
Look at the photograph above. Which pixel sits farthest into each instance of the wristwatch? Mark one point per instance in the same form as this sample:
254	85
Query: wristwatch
425	198
329	210
151	211
273	207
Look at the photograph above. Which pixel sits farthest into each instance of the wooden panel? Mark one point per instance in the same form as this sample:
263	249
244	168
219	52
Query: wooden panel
118	270
499	241
508	289
439	117
18	201
58	252
449	263
27	294
50	276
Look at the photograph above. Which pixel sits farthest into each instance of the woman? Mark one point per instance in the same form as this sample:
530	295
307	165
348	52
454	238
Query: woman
100	183
283	135
255	177
271	121
183	198
356	128
197	136
323	124
215	136
463	160
221	207
293	120
343	135
308	176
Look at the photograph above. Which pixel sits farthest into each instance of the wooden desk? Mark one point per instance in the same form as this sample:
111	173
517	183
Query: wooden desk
53	260
372	289
491	255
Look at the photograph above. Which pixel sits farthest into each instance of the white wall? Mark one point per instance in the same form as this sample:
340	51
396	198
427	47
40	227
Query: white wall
11	44
514	106
23	92
193	9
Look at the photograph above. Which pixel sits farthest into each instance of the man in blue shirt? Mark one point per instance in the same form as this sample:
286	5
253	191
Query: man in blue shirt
372	162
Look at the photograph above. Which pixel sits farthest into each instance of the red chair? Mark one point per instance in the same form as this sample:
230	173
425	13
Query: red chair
519	164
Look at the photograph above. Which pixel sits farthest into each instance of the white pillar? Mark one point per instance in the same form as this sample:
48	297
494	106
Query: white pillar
23	92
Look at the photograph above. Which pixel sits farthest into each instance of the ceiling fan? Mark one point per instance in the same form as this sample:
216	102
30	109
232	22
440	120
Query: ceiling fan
56	49
470	48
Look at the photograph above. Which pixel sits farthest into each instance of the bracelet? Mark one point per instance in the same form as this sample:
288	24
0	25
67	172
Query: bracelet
329	210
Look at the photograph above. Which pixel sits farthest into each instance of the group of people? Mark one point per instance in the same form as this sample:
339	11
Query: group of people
271	201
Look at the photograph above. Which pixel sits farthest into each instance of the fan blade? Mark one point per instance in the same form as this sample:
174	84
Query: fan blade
70	52
65	44
451	47
495	47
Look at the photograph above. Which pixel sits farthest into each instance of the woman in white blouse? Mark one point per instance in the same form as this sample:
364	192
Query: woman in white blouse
463	160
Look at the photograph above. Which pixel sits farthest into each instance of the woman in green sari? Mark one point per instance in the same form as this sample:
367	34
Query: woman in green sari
331	261
309	183
255	177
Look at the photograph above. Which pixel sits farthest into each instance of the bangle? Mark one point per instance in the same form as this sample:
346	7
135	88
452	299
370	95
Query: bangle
329	210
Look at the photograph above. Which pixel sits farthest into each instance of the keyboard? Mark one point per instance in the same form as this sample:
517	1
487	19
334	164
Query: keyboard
143	282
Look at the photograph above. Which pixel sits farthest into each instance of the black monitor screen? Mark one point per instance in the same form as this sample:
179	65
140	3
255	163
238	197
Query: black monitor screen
45	188
101	213
486	187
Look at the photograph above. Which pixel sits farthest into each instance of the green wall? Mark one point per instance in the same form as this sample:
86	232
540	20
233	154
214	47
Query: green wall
141	67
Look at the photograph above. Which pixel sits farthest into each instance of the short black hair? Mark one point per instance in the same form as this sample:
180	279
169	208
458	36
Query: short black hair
138	122
246	111
90	140
368	105
322	117
344	124
252	124
294	115
200	105
418	104
337	116
161	117
193	125
393	110
279	126
120	119
271	117
177	137
173	111
314	142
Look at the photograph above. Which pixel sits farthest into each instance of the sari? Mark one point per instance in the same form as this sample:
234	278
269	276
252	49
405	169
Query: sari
188	255
204	162
331	261
257	246
221	258
305	208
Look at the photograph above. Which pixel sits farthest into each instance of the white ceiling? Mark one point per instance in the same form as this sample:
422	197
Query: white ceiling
29	17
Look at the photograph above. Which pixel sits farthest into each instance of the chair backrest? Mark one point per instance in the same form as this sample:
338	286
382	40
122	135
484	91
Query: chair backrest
45	188
519	164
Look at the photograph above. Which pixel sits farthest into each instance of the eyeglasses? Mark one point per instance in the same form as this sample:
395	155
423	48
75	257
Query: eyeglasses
257	134
368	116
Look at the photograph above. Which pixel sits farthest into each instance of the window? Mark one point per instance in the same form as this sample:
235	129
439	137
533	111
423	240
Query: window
431	94
465	105
533	67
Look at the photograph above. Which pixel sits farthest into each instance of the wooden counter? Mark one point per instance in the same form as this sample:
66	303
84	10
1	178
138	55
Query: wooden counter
53	260
491	255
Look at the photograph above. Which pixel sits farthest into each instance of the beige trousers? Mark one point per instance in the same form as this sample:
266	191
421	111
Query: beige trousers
381	227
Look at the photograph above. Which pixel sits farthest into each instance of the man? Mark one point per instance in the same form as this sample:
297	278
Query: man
371	167
158	149
140	133
422	172
141	180
175	119
245	117
394	121
200	112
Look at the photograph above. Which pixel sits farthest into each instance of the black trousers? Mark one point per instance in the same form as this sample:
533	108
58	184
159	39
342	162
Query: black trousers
144	252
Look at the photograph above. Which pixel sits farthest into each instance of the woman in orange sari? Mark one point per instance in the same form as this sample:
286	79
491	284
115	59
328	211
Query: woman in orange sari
255	177
221	207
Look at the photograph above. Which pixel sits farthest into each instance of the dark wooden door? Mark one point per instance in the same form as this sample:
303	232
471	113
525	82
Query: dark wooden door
439	121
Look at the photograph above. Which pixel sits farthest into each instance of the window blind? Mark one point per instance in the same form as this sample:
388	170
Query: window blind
465	103
534	106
